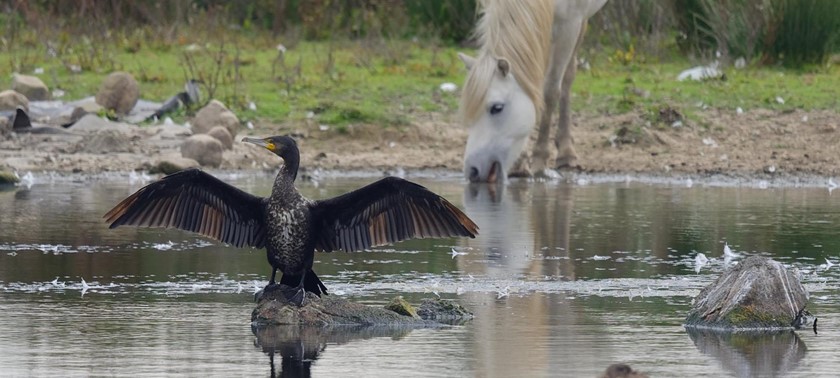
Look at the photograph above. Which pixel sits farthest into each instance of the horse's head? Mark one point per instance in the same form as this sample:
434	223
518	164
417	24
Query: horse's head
499	114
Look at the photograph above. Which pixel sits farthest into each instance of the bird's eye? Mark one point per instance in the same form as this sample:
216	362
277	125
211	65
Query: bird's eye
496	108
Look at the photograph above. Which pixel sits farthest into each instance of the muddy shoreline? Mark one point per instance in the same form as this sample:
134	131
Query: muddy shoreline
760	148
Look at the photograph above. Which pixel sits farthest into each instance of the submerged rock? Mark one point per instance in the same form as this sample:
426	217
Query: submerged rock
757	294
273	309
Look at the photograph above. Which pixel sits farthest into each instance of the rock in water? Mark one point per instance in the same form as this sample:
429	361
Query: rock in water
274	309
757	294
119	92
8	178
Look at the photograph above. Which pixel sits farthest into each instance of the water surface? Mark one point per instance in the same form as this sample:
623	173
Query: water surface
564	280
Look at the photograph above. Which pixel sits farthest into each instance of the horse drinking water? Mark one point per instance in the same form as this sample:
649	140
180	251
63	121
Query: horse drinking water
524	70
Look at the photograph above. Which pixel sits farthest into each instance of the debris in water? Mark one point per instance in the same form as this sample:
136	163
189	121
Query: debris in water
699	261
456	253
163	246
55	282
85	287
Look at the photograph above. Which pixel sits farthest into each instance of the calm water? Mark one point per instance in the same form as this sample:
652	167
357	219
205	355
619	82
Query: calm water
564	280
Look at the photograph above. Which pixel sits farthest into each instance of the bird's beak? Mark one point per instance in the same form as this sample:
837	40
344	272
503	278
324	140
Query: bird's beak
265	143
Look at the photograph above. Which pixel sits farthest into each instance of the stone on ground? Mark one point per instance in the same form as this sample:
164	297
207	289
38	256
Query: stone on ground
119	92
171	164
215	114
11	100
222	135
204	149
30	86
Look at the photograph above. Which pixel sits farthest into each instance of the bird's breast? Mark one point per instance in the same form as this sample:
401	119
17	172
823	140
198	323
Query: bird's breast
288	236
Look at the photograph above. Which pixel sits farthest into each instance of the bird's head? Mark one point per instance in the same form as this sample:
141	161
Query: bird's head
281	145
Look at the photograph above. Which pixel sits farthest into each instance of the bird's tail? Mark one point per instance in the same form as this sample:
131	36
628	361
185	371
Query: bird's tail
311	282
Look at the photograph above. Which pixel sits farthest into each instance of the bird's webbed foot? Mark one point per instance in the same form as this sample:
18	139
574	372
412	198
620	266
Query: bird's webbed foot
295	295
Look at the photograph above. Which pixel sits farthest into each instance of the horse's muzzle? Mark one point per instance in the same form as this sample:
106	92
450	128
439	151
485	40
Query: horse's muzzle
492	176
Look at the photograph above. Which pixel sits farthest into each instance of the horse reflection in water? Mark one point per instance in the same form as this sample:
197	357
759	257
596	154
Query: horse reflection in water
524	70
525	235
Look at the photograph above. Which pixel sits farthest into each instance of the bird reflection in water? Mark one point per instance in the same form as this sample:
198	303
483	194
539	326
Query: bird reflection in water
300	346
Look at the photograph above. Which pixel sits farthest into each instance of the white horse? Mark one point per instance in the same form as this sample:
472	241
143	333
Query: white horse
523	71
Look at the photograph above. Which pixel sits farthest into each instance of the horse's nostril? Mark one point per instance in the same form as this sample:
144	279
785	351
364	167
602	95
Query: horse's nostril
473	174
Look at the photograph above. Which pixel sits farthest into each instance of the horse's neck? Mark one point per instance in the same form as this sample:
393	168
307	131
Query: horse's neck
576	9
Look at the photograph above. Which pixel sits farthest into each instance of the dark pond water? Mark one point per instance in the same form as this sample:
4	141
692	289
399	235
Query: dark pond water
564	280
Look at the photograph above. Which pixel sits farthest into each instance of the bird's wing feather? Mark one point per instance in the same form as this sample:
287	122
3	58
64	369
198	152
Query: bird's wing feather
193	200
385	212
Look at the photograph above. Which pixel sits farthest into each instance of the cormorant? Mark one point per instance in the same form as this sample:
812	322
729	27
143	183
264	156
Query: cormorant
289	226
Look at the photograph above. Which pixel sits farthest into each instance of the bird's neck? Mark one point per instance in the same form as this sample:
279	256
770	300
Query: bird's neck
289	169
285	180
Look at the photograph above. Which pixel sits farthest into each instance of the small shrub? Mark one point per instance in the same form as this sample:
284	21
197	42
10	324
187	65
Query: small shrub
807	31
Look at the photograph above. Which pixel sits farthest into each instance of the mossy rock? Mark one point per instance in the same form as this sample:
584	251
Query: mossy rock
402	307
757	294
273	309
8	178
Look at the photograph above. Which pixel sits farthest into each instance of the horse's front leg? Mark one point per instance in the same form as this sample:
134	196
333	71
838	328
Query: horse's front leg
565	40
563	141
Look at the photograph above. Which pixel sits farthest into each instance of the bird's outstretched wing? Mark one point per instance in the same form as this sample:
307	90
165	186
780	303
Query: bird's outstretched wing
387	211
193	200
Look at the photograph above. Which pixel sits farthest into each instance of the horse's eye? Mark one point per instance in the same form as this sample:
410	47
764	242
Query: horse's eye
496	108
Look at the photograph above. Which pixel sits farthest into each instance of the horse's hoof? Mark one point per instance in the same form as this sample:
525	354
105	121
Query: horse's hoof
566	162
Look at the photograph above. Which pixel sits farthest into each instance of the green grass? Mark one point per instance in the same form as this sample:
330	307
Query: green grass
388	82
606	88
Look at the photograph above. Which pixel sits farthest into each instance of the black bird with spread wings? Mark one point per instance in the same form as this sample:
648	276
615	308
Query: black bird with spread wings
289	226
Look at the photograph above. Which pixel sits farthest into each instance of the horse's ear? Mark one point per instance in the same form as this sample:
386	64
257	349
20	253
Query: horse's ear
469	61
504	66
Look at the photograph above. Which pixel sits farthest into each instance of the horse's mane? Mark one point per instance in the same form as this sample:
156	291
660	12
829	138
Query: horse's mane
518	31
